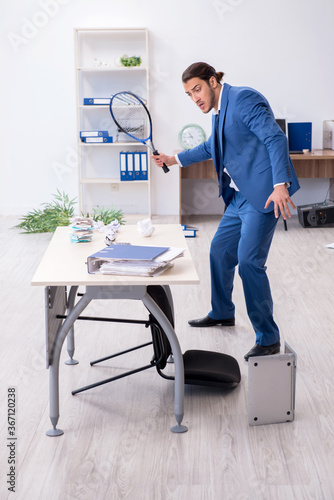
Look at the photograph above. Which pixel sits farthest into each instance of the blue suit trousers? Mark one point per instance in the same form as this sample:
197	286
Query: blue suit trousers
243	238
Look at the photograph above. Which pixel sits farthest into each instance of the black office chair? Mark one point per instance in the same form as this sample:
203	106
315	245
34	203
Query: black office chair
200	367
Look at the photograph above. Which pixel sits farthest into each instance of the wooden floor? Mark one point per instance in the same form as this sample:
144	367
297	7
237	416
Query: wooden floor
117	444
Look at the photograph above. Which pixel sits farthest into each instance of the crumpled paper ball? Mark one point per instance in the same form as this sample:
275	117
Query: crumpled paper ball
110	237
145	227
99	226
114	225
110	230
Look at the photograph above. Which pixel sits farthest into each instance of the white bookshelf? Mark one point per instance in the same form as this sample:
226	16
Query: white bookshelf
99	74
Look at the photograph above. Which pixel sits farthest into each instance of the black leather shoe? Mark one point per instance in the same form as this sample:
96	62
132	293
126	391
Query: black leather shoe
207	321
263	350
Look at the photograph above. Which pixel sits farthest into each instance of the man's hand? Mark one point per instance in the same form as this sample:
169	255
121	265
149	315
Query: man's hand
280	197
161	159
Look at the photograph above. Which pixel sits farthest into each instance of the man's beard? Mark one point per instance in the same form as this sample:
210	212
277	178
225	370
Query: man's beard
212	100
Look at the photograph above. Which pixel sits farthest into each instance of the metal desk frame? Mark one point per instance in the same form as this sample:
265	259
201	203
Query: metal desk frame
55	303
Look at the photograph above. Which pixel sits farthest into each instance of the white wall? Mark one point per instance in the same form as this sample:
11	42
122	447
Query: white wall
284	49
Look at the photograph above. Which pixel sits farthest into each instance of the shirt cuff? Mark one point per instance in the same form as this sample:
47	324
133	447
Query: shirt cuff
287	184
178	161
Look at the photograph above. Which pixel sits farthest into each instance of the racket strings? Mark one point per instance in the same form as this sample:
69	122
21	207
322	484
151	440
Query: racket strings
131	118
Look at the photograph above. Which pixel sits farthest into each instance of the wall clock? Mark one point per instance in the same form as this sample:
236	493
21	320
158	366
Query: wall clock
191	135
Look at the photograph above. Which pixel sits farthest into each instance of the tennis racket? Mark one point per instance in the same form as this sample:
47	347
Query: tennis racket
132	117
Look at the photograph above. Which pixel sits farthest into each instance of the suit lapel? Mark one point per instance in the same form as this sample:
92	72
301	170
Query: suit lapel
217	148
222	114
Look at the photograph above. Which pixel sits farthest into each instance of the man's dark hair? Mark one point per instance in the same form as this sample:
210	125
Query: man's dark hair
201	70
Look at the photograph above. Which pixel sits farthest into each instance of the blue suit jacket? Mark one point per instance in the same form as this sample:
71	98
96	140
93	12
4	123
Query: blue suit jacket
252	148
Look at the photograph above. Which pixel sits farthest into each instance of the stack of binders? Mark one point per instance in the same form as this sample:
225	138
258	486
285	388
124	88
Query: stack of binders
133	166
189	231
95	136
133	260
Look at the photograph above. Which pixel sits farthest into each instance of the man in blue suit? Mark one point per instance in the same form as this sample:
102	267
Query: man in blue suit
256	179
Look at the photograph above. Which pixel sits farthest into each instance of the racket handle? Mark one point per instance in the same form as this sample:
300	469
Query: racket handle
164	166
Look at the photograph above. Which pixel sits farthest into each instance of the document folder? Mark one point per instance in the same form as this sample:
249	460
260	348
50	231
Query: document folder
137	169
94	133
123	166
129	163
97	140
93	101
144	166
123	253
300	136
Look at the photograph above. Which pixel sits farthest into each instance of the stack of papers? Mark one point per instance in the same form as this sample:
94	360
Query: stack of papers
82	229
132	260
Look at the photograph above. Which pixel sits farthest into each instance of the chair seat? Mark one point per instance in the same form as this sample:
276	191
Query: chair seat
211	368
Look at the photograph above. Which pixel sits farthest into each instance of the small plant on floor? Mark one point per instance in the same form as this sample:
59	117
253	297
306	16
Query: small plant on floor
54	214
107	215
59	213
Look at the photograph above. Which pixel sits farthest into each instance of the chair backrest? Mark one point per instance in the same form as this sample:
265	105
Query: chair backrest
161	345
200	367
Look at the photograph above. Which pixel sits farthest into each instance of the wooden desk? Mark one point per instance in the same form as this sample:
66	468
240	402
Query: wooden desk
316	164
64	264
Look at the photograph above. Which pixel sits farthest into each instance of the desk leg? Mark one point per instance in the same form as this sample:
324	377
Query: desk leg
178	362
170	299
54	364
70	336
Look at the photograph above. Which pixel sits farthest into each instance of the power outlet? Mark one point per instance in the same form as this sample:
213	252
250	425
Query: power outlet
115	187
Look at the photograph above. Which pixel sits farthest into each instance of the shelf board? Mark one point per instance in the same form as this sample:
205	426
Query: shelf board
107	180
110	144
107	106
110	30
94	106
111	68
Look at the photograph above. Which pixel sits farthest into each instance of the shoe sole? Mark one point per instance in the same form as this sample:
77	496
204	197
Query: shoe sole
277	351
232	323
